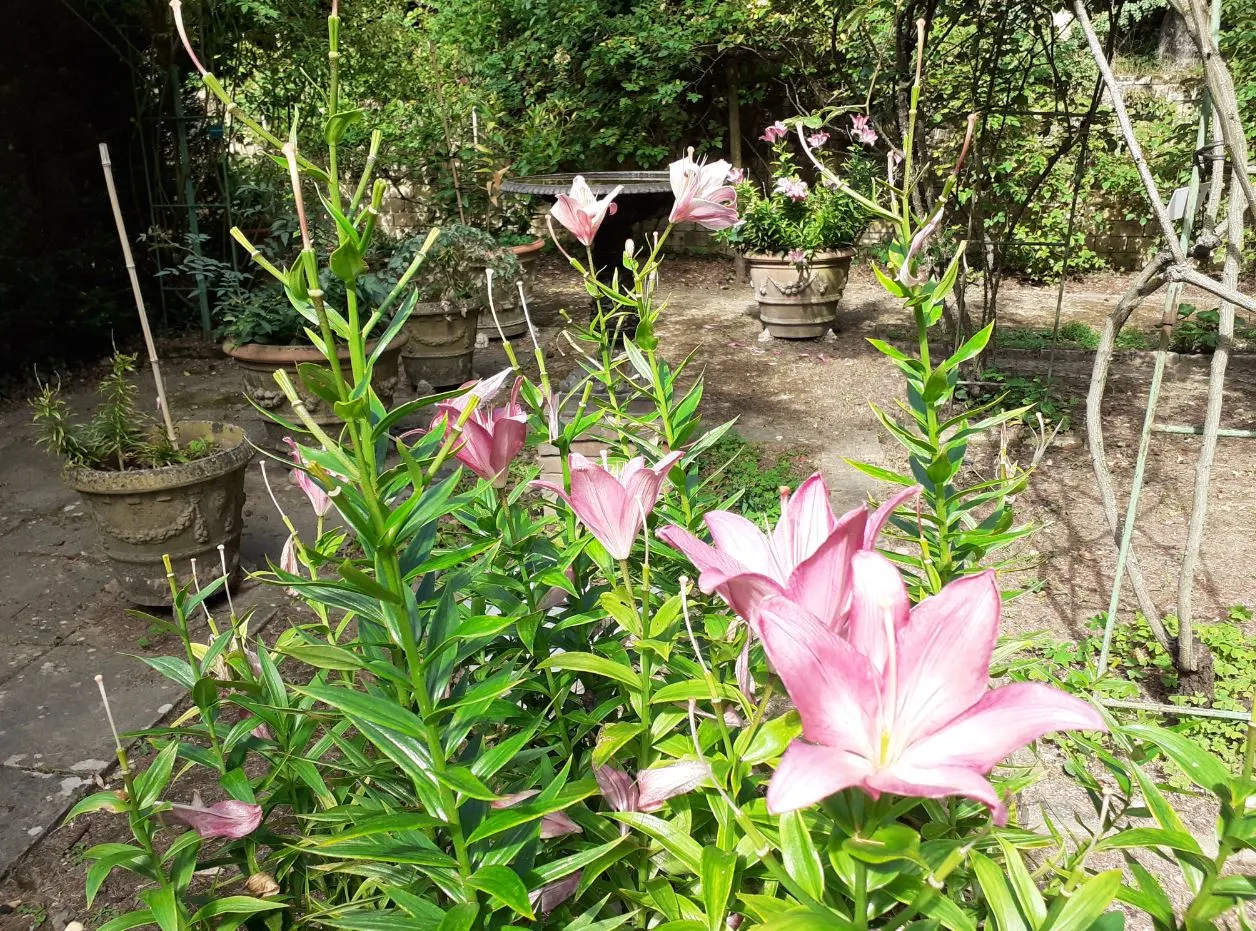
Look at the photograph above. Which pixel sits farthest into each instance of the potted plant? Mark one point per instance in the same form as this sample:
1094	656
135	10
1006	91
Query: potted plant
149	495
452	293
510	221
798	239
264	330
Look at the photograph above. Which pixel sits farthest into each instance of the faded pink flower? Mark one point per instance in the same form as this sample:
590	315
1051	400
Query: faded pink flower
652	787
702	194
222	819
775	132
861	129
901	704
806	559
491	439
612	501
554	894
320	501
815	140
736	175
798	256
581	212
793	188
553	824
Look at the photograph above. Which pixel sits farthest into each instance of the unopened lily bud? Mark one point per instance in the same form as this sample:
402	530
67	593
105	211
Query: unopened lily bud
629	248
262	885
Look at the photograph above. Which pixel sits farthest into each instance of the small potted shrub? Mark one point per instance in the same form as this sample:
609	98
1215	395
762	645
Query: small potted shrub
149	496
798	239
264	330
452	294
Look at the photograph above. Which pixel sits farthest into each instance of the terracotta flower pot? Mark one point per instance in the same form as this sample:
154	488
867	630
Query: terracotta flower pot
799	302
441	343
184	511
260	362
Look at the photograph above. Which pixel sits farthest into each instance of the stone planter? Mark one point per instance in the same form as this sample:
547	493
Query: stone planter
259	364
799	302
184	511
440	344
506	295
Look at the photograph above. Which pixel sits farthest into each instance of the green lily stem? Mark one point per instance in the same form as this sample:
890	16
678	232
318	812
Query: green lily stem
859	907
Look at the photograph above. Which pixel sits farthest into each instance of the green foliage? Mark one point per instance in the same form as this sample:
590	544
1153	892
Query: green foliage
1139	668
1072	335
746	475
1197	329
1023	394
118	436
454	268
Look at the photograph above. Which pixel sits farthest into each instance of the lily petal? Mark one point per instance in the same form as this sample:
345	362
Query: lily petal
657	785
808	773
821	583
879	607
834	688
944	655
1004	720
876	523
939	782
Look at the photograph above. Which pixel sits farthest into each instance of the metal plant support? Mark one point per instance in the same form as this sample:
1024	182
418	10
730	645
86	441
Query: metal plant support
1219	129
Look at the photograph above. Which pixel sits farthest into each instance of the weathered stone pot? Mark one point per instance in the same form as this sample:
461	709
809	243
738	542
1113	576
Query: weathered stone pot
440	344
506	295
259	364
185	511
799	302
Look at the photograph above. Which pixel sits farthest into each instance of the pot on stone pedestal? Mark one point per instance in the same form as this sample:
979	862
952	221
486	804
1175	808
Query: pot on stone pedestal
799	301
260	362
440	343
184	511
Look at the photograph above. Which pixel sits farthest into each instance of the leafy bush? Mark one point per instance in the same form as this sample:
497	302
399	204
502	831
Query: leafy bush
1196	330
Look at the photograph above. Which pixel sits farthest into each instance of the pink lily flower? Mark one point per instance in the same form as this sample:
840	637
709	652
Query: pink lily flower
222	819
554	824
798	257
806	559
815	140
652	787
776	131
902	704
736	175
702	196
581	212
612	502
320	501
492	439
862	130
793	188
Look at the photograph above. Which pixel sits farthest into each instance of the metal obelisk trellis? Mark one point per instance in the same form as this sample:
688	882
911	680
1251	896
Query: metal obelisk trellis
1220	135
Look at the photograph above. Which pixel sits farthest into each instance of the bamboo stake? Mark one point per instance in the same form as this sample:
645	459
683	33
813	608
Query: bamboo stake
107	165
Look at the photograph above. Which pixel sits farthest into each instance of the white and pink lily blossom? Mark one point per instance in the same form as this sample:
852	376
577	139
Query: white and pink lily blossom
861	129
492	438
806	558
222	819
815	140
793	188
736	175
702	193
480	392
612	501
901	704
798	256
581	212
